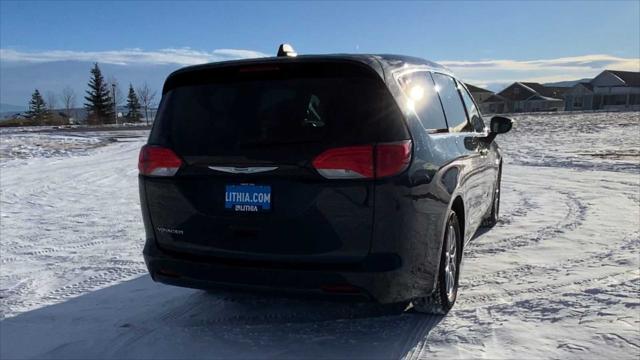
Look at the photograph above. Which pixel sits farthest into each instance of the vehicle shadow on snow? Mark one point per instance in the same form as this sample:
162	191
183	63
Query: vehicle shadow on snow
141	319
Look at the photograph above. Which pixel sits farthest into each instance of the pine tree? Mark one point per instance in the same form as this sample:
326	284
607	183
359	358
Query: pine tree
99	103
133	105
37	109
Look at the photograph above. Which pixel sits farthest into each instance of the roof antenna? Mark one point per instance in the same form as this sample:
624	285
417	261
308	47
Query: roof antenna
286	50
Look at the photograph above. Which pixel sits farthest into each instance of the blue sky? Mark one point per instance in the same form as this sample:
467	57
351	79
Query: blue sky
485	42
438	30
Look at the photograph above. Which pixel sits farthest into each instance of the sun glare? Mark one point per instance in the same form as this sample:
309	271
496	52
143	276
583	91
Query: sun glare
416	93
411	105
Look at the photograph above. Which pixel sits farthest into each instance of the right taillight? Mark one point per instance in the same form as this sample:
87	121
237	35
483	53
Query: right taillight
359	162
158	161
392	158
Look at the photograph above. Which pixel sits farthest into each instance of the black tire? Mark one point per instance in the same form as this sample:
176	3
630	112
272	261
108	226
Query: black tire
494	214
443	298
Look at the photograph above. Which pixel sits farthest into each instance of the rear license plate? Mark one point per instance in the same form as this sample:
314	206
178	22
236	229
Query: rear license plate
247	198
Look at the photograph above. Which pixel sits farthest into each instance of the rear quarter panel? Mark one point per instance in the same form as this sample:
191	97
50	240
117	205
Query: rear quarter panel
410	210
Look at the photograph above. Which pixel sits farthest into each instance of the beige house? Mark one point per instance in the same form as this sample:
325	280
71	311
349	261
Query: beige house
610	90
526	97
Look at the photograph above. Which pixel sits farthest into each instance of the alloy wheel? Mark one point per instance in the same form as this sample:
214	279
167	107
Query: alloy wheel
451	258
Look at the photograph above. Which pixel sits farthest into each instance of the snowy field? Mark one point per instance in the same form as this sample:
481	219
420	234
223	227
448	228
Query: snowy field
558	277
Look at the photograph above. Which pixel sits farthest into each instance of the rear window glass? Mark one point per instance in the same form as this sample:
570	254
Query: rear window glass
251	115
421	93
453	108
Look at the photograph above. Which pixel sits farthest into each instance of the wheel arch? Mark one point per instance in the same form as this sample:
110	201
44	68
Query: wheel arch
457	206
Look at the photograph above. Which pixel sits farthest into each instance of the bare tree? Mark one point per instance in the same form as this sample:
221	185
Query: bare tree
68	98
146	96
51	100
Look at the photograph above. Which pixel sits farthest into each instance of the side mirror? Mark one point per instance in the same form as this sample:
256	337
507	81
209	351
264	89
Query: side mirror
499	125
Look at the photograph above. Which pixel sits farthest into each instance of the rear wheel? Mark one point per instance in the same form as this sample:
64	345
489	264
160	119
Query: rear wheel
492	218
446	292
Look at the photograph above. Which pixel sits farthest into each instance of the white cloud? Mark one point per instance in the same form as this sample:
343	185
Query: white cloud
182	56
585	61
485	72
481	72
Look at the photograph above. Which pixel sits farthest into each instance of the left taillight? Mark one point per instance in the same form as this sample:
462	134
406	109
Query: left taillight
158	161
351	162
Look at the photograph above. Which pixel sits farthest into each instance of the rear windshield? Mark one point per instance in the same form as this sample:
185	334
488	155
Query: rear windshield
275	109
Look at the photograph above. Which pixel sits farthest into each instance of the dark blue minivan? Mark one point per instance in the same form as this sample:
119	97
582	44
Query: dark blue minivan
354	176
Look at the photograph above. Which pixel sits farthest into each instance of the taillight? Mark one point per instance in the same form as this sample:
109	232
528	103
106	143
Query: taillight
392	158
357	162
350	162
158	161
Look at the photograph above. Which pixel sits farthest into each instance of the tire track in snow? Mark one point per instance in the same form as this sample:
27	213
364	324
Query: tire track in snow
29	255
418	335
63	212
573	218
538	291
631	243
49	251
14	300
520	210
8	260
17	290
594	276
476	326
93	282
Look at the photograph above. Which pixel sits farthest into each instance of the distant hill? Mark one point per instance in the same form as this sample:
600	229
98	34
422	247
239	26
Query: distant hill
497	87
10	108
568	83
18	80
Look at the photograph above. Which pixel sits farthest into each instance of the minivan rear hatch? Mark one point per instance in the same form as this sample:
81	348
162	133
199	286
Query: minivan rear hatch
245	138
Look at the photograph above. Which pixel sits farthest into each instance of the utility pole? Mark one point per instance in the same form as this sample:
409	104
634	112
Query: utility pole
115	105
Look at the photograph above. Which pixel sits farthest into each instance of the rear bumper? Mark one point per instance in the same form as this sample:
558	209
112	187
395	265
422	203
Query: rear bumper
381	278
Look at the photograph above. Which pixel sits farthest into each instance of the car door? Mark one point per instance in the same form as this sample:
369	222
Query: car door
486	166
470	159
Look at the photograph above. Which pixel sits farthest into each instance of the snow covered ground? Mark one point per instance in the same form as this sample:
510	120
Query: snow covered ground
558	277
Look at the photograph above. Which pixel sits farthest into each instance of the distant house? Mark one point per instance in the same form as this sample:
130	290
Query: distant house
479	94
530	97
19	116
579	97
610	90
494	104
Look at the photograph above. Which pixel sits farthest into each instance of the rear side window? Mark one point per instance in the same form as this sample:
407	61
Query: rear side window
275	115
421	94
453	108
472	110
